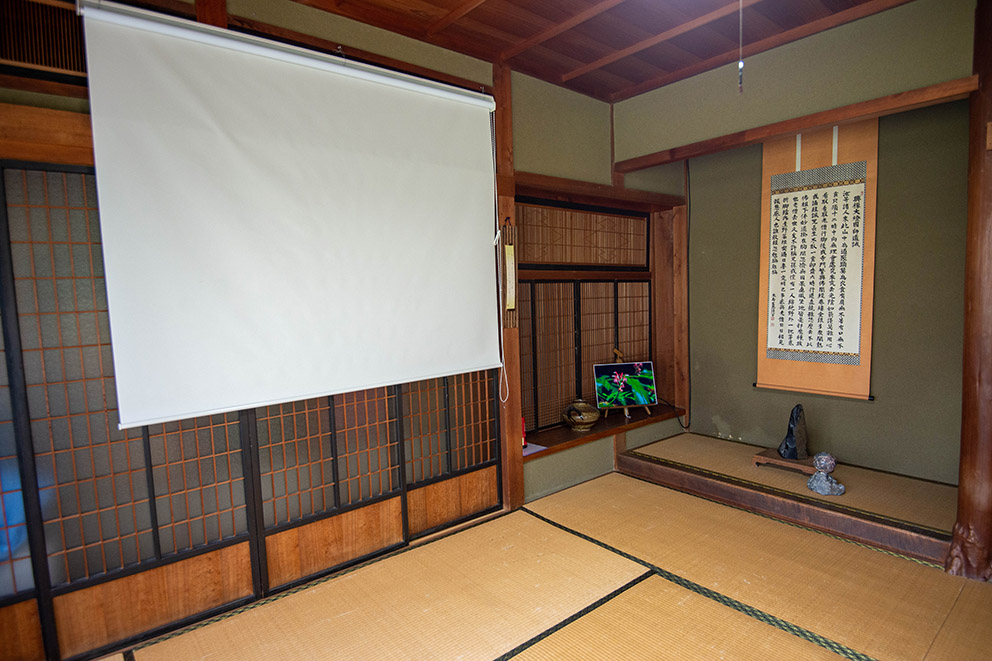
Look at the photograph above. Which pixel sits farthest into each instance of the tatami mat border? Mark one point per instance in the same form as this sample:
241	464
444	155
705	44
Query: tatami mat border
750	611
741	607
317	581
572	618
900	523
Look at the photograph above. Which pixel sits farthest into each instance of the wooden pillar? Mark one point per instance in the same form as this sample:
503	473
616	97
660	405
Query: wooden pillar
511	443
212	12
663	304
680	295
970	553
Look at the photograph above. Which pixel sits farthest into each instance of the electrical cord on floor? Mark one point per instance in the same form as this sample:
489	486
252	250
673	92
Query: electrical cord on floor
688	345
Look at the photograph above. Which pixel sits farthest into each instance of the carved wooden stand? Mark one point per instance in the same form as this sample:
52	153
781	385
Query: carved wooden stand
773	458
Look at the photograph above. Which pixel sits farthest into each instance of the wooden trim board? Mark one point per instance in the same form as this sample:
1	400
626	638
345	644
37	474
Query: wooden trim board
952	90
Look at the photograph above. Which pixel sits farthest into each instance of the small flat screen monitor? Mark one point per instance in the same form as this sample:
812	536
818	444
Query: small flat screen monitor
619	385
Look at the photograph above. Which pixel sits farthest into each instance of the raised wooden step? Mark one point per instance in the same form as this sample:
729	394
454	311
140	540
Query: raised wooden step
837	516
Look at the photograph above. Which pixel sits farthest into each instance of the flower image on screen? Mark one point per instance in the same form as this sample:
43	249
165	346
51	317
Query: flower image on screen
625	384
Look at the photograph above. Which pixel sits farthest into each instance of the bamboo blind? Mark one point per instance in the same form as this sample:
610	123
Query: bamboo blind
634	314
598	332
47	36
550	235
604	316
524	295
555	348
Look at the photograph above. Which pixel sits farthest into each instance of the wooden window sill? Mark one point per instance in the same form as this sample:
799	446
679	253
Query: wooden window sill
562	437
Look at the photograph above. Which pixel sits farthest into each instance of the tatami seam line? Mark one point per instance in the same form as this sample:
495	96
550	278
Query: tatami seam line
575	616
741	607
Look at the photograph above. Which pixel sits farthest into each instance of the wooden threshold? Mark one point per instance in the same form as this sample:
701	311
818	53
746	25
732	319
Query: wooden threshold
561	438
856	525
952	90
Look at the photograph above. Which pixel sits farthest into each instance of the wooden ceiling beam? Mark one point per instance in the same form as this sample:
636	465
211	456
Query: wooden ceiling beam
825	23
585	192
952	90
323	45
452	16
667	35
557	29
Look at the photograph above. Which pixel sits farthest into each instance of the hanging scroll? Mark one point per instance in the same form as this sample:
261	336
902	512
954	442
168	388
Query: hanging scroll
817	261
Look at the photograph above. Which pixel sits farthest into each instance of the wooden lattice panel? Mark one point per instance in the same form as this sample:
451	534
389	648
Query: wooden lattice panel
47	36
550	235
368	451
91	475
426	429
296	460
198	481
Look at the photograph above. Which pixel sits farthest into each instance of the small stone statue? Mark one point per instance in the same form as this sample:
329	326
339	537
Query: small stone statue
821	482
793	446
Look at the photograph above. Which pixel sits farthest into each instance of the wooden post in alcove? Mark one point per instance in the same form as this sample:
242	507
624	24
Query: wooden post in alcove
970	553
511	450
212	12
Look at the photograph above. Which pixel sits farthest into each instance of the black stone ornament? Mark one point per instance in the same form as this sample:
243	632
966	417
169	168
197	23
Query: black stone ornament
793	446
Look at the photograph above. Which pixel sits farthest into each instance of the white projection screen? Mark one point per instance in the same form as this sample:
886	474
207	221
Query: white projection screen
278	226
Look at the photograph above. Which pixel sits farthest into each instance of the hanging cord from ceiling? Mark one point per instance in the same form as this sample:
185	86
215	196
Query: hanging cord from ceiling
740	47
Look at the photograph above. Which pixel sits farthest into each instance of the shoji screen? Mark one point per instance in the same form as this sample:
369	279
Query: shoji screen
279	225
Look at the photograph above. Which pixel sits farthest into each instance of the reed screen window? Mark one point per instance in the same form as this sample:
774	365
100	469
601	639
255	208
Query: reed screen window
567	325
565	329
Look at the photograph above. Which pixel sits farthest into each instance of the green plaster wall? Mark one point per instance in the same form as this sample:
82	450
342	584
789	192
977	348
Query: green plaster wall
669	178
560	133
913	426
917	44
39	100
546	475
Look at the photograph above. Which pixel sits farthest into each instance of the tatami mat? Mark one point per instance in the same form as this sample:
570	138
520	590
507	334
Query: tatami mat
659	620
877	604
920	502
967	634
476	594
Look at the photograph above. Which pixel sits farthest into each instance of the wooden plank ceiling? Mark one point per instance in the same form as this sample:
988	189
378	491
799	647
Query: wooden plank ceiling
608	49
